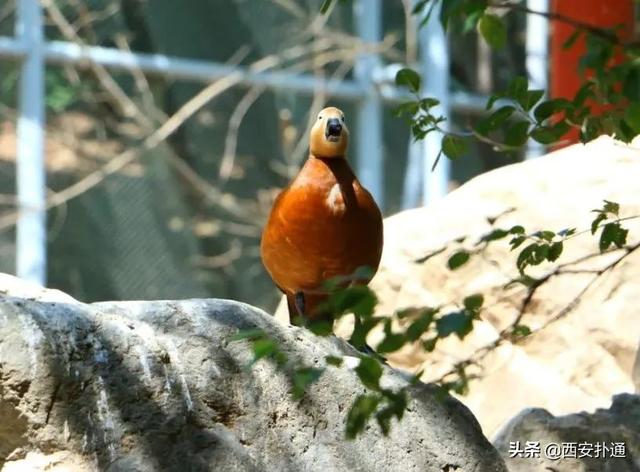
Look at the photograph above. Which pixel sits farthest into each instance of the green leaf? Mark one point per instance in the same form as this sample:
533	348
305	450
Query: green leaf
427	17
457	322
531	98
592	127
325	6
517	229
544	135
517	134
612	233
526	257
517	88
631	85
540	254
494	235
302	378
450	9
360	412
584	92
361	330
420	326
408	78
492	100
429	102
391	343
358	299
599	219
407	108
419	6
549	107
369	371
546	235
252	333
430	344
493	30
458	259
560	129
397	403
454	146
572	39
495	120
266	348
321	328
471	21
555	251
459	386
473	302
611	207
521	331
334	360
517	241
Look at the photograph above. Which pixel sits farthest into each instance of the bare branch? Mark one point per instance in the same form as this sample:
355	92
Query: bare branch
231	141
507	333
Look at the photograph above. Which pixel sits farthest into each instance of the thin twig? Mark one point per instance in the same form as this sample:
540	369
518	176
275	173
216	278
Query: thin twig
122	160
507	333
231	141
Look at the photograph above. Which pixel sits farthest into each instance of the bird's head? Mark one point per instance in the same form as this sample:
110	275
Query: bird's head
329	134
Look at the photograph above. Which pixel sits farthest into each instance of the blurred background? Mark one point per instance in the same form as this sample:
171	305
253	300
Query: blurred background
152	195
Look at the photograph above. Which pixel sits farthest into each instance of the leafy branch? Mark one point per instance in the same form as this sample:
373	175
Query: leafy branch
426	326
514	116
522	115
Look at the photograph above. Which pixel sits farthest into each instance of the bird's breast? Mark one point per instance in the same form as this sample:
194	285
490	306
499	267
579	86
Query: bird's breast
321	226
335	201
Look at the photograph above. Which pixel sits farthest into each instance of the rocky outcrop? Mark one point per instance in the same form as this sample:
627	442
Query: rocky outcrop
584	357
605	441
149	386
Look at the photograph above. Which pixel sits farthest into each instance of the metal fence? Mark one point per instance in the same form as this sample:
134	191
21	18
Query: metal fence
370	89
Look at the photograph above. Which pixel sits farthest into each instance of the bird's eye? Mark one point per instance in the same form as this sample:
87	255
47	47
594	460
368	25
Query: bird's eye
342	118
319	117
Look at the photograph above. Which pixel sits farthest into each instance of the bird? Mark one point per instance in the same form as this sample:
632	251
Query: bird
323	225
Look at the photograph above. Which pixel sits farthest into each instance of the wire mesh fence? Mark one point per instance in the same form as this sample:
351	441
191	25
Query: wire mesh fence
170	128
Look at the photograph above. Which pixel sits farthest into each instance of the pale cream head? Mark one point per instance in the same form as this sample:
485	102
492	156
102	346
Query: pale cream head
329	134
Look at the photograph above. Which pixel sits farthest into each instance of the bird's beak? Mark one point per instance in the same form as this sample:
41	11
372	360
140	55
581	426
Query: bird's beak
333	131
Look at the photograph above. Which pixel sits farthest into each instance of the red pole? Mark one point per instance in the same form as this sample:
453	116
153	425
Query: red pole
565	78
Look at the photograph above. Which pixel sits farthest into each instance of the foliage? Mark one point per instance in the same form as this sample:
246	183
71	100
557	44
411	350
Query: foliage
515	115
426	326
519	113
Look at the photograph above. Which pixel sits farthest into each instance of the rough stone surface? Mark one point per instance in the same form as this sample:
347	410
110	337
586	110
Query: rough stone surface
618	424
149	386
581	360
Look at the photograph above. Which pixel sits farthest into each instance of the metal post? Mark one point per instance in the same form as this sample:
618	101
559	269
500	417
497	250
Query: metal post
368	132
31	227
435	79
536	62
413	184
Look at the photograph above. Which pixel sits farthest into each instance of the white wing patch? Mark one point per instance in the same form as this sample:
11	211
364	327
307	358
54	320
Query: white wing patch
335	200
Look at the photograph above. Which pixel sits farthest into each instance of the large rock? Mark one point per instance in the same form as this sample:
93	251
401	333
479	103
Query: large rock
579	361
605	441
147	386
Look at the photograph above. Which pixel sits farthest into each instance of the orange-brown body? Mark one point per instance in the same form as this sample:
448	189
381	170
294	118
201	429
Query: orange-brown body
323	225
